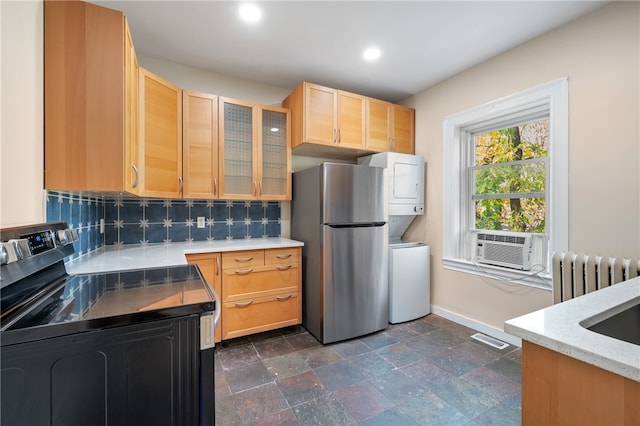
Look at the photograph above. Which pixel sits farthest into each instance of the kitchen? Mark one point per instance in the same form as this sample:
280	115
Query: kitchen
598	53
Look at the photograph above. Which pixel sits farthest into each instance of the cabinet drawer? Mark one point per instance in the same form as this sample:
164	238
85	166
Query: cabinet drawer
261	314
283	256
242	259
238	284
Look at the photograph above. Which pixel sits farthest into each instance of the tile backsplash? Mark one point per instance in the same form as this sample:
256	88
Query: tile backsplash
149	221
157	221
82	213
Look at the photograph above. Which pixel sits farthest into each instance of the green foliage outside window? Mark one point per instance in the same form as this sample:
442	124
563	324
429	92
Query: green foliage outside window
509	178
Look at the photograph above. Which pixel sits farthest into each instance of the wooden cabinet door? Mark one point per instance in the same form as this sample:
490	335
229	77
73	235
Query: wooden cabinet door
403	129
84	90
160	137
274	154
378	126
132	147
350	126
320	120
211	270
199	145
237	150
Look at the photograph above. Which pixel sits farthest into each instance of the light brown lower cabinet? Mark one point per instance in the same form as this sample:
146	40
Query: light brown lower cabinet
211	269
560	390
260	290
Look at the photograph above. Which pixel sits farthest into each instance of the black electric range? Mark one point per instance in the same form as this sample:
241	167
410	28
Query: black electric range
79	348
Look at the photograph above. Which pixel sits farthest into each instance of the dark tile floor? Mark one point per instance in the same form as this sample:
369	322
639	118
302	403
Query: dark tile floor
427	371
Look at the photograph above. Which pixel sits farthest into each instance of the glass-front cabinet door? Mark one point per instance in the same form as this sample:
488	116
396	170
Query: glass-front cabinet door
237	151
254	152
275	154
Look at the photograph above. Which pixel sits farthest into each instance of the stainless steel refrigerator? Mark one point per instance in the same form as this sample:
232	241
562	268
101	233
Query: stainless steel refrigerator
340	213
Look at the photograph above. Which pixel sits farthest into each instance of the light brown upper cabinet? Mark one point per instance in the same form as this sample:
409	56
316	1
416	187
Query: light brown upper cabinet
402	129
325	121
132	147
254	151
90	95
199	145
350	120
389	127
325	116
159	136
378	125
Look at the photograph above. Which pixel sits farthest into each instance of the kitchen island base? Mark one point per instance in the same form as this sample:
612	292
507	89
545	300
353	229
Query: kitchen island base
559	389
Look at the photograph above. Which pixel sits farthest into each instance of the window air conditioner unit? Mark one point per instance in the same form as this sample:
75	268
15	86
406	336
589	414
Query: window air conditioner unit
508	249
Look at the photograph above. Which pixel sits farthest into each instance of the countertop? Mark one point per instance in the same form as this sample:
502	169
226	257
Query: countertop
128	257
559	328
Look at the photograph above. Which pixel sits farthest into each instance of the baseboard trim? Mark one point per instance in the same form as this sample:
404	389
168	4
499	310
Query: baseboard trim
478	326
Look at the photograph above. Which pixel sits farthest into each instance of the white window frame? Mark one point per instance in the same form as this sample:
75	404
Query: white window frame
552	97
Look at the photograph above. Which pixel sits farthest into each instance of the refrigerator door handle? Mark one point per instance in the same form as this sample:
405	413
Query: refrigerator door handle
356	225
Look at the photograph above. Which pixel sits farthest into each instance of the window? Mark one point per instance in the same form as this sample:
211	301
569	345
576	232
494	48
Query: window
508	177
505	169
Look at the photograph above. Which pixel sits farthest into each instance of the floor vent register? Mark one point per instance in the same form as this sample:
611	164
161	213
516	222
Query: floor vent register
494	343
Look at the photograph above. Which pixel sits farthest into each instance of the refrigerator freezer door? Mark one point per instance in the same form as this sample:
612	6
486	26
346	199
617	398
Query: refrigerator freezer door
352	194
355	277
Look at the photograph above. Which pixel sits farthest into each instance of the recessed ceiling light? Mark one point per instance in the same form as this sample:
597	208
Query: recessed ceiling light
274	129
250	12
371	53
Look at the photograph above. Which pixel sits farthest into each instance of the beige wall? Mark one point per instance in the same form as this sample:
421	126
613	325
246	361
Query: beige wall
22	117
217	84
600	56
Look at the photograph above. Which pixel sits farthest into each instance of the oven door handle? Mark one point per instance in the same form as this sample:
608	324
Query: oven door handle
216	318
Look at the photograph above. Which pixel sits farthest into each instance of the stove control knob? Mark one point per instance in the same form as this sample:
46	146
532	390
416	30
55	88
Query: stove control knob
4	255
21	247
9	254
72	235
61	236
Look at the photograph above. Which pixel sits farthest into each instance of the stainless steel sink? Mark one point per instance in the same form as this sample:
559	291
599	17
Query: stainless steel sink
624	325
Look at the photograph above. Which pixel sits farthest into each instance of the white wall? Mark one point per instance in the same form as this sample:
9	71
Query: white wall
22	116
600	55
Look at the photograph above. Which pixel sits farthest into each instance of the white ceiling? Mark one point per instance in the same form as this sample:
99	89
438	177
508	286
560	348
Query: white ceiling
422	42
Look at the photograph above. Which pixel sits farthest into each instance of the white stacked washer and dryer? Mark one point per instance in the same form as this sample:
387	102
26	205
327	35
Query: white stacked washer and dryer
409	261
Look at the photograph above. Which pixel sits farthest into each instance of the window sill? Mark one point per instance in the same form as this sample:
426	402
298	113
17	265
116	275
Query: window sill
540	279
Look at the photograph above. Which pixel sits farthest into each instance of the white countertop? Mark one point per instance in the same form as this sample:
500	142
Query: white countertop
127	257
559	328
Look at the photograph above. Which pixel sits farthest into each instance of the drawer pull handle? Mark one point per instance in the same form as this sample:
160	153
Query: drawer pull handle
244	305
283	256
283	267
244	259
244	271
283	298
